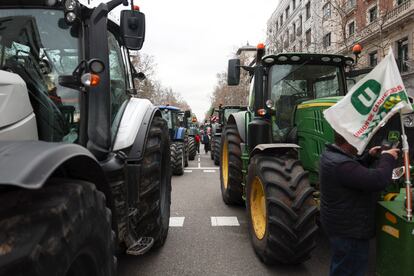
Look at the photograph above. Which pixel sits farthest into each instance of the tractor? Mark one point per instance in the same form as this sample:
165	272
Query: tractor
270	153
192	132
223	113
176	120
84	163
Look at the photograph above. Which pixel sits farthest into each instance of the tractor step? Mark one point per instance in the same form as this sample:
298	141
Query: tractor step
142	246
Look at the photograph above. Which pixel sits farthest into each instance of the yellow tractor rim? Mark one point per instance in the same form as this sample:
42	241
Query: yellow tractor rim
258	208
225	164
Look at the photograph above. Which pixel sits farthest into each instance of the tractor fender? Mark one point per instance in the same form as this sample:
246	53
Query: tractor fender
29	164
274	148
135	121
137	151
180	134
239	119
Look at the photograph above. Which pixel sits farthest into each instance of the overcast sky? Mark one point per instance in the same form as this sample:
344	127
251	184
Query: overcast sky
191	41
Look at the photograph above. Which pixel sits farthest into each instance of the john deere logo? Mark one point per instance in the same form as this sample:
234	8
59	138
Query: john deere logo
364	98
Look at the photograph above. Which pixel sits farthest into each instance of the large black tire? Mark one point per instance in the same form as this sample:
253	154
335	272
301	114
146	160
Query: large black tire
212	148
186	147
285	231
63	228
155	190
231	175
177	158
192	151
217	147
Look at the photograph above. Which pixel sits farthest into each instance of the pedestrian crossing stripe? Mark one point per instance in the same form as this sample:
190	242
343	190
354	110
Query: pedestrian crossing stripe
188	171
224	221
209	171
177	221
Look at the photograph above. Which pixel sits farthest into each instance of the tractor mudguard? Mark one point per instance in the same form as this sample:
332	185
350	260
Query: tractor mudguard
239	119
29	164
137	115
274	148
137	151
179	134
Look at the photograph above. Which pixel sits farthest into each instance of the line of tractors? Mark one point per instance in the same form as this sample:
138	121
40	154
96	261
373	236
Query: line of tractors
85	164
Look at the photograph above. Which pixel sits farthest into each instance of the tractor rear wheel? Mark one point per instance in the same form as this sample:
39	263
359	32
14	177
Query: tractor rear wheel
155	187
212	148
217	146
186	150
63	228
281	210
177	158
231	167
192	151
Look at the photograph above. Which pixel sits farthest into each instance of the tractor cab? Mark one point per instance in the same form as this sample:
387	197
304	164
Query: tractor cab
174	120
47	44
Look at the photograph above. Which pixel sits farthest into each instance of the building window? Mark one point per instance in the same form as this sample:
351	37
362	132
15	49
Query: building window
327	40
308	37
351	4
293	5
294	30
373	14
281	20
308	10
373	59
326	11
287	12
351	28
399	2
402	47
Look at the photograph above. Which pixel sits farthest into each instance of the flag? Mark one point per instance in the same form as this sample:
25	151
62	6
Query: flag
369	104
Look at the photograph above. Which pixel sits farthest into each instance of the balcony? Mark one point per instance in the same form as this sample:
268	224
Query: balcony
398	11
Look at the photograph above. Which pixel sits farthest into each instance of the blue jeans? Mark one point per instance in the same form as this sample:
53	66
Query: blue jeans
349	256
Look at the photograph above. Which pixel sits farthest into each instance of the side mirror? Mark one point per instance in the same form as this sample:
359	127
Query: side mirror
139	76
187	114
233	73
133	29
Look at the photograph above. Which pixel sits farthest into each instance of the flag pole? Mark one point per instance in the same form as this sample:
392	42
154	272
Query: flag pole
405	149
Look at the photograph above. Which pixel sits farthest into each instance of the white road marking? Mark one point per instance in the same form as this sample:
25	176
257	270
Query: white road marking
199	165
224	221
202	168
177	221
209	171
188	171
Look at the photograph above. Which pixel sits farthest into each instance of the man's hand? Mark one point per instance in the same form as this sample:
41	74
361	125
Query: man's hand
374	151
393	152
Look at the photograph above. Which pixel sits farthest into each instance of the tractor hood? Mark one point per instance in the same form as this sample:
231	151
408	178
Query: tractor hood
14	100
321	102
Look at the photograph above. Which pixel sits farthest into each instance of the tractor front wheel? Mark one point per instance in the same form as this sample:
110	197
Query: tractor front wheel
217	143
192	150
281	210
177	158
231	167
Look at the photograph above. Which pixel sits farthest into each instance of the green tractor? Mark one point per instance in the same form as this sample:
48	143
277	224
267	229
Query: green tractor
223	113
193	130
270	153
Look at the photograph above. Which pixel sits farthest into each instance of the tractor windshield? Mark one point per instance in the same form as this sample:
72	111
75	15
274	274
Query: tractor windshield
291	84
39	46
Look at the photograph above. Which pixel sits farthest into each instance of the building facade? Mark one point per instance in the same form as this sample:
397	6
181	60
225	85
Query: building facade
335	26
377	25
294	27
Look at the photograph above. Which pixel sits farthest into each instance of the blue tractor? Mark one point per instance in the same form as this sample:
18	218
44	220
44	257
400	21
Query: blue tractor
177	121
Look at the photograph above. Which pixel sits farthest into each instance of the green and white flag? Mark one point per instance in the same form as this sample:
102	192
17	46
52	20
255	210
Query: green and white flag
369	104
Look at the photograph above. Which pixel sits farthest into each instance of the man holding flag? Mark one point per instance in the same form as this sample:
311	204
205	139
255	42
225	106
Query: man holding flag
349	187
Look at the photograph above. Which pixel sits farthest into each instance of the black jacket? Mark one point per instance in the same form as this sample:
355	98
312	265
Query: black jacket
349	191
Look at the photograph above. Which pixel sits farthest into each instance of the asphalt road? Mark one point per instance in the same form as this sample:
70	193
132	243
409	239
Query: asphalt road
195	247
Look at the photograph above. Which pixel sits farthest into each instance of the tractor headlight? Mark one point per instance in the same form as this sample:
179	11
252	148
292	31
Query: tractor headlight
408	120
70	5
